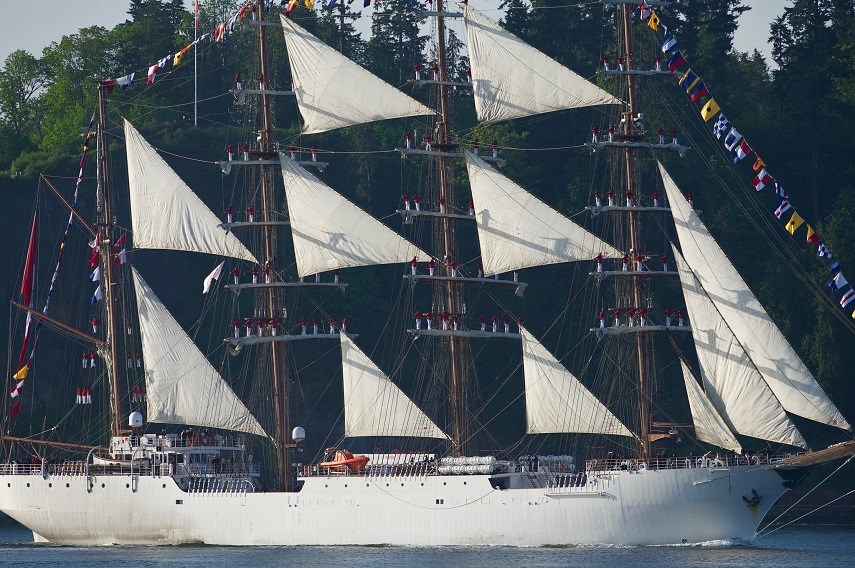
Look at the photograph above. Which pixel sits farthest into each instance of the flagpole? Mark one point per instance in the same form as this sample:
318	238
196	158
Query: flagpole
195	66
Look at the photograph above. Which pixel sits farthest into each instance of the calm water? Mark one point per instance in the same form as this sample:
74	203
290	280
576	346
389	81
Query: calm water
797	547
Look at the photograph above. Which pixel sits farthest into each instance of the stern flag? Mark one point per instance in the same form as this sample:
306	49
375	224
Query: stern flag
837	282
721	125
761	179
97	296
709	109
794	223
212	277
732	139
782	208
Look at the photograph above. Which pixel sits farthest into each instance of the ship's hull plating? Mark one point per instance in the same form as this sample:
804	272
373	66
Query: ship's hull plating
626	508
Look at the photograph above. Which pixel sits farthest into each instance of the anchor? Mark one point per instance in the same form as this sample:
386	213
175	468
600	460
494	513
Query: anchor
754	500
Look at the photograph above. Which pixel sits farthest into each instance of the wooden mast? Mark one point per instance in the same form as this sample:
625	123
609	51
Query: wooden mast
453	297
104	230
278	354
638	297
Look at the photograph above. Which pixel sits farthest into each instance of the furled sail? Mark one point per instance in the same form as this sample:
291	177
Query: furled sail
518	230
511	79
331	232
182	386
556	401
374	405
773	356
731	380
333	92
165	213
709	426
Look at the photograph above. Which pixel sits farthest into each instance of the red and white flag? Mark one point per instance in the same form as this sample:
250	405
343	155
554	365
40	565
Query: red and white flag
761	179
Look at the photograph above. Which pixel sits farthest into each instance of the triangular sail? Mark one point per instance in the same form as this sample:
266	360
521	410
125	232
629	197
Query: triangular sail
165	213
333	92
330	232
374	405
709	425
775	359
511	79
731	380
182	386
518	230
556	401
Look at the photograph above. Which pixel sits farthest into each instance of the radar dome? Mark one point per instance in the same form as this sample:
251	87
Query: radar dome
135	420
298	434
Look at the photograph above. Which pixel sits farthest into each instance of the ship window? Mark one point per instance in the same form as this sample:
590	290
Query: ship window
103	486
179	501
50	484
28	485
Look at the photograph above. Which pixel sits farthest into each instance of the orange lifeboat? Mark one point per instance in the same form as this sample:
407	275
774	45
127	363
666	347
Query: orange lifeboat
342	459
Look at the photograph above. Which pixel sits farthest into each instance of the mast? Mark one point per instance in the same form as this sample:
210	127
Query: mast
278	355
458	395
638	297
104	231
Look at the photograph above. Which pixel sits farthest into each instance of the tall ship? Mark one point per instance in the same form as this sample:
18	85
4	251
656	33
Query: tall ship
210	445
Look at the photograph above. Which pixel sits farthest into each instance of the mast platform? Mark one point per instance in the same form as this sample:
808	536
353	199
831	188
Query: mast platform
521	286
651	3
642	273
226	165
237	288
472	334
261	92
679	148
606	208
408	214
238	224
415	151
423	82
238	342
639	72
635	329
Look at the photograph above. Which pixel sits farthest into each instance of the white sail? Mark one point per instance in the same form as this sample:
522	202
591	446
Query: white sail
333	92
374	405
518	230
709	426
511	79
556	401
770	352
165	213
182	386
731	380
330	232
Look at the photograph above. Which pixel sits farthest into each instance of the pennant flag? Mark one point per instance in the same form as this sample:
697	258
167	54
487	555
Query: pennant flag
782	208
16	408
699	92
847	298
812	236
120	242
22	373
109	85
290	7
761	179
176	61
96	274
709	109
93	259
779	191
835	267
838	282
645	10
30	264
220	31
721	125
17	389
212	277
676	61
152	72
121	257
741	151
824	252
97	296
126	81
732	139
794	223
688	80
759	164
669	43
653	22
310	4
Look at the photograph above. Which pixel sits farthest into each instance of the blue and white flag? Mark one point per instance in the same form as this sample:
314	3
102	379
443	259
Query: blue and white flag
782	208
779	191
96	274
721	126
126	81
97	296
835	268
838	282
732	139
669	43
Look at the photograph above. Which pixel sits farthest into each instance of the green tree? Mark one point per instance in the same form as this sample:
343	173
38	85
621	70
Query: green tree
22	80
395	45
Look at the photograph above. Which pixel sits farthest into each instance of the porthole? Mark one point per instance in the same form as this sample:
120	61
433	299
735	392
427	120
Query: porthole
103	486
345	484
68	485
402	485
387	485
50	485
164	486
444	483
464	483
423	484
28	485
127	485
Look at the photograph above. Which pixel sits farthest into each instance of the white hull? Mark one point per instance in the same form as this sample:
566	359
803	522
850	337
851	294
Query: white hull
624	507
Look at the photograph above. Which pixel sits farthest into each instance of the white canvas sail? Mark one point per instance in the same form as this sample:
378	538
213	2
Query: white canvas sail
330	232
709	426
511	79
165	213
182	386
333	92
374	405
773	356
517	230
731	380
556	401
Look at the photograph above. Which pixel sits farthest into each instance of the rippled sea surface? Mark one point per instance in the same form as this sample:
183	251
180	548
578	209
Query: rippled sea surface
794	546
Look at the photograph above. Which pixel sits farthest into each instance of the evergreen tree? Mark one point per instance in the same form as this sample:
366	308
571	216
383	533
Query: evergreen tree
395	45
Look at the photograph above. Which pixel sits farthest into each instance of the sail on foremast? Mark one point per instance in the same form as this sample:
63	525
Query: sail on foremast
710	427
